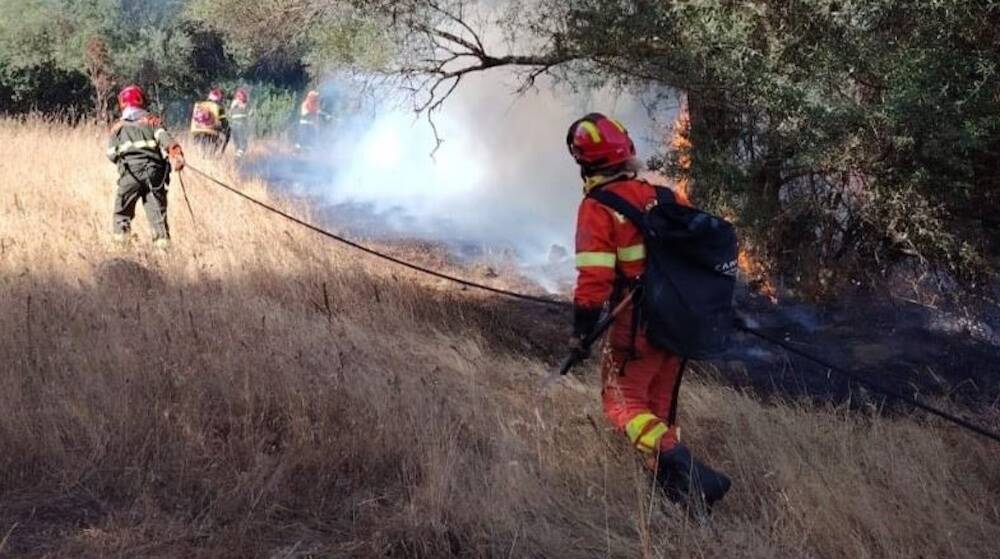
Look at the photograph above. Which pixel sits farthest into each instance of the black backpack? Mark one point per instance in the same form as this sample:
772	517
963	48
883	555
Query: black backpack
691	263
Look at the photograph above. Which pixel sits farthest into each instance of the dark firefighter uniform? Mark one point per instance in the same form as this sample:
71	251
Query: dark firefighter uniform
137	146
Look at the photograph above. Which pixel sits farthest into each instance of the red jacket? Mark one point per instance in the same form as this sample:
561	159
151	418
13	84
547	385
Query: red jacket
606	242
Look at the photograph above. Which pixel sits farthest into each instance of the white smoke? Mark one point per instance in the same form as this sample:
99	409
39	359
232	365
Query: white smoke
501	180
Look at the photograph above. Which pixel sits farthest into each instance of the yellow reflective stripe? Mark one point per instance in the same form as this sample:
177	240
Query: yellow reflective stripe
633	253
650	440
591	128
595	259
635	426
140	144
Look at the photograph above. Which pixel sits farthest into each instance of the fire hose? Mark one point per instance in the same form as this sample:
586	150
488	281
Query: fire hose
180	179
579	355
373	252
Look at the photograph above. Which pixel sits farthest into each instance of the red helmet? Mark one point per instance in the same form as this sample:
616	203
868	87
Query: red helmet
215	95
131	96
598	142
311	104
242	95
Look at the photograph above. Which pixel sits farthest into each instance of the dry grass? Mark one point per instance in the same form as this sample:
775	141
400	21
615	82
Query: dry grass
213	403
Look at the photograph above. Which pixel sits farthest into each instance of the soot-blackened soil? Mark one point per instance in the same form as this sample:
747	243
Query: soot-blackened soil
918	350
912	349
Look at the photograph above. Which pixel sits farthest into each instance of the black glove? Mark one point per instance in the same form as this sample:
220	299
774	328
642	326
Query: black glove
584	321
577	351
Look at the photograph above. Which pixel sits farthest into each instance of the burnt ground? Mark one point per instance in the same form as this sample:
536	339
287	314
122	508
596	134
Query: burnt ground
941	358
919	350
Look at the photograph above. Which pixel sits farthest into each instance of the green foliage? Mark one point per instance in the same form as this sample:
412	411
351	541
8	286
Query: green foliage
893	104
281	37
43	45
268	36
273	108
177	49
38	65
348	40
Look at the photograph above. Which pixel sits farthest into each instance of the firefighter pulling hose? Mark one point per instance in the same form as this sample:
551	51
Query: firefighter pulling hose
144	152
626	279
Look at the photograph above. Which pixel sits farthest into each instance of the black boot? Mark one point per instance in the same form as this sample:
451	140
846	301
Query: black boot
686	481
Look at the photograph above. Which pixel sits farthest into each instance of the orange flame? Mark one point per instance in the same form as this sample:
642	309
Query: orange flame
756	275
680	144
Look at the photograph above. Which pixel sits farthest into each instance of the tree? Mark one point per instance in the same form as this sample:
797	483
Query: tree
98	62
282	37
50	49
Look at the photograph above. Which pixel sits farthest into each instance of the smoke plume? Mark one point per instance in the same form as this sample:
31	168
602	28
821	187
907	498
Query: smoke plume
501	181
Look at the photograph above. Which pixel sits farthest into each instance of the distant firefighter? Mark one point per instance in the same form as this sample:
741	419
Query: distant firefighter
210	124
144	152
239	121
312	120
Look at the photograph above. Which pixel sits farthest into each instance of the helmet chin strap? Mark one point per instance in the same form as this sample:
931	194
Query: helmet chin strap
595	180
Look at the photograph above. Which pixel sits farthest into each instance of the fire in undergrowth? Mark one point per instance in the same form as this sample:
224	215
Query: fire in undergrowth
680	144
753	271
756	275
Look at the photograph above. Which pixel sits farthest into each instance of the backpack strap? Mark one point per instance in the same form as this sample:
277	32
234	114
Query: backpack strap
664	195
620	205
637	216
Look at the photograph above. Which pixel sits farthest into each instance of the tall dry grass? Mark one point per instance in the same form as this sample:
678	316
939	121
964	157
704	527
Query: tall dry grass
214	402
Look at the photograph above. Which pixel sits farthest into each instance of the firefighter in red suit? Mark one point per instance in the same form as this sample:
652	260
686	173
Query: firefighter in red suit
640	381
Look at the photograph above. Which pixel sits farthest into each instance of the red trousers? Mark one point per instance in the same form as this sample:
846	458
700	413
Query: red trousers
640	384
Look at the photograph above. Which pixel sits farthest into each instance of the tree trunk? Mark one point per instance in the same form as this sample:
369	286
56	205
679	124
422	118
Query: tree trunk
98	61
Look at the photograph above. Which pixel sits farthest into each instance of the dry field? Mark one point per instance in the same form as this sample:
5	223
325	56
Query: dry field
213	402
